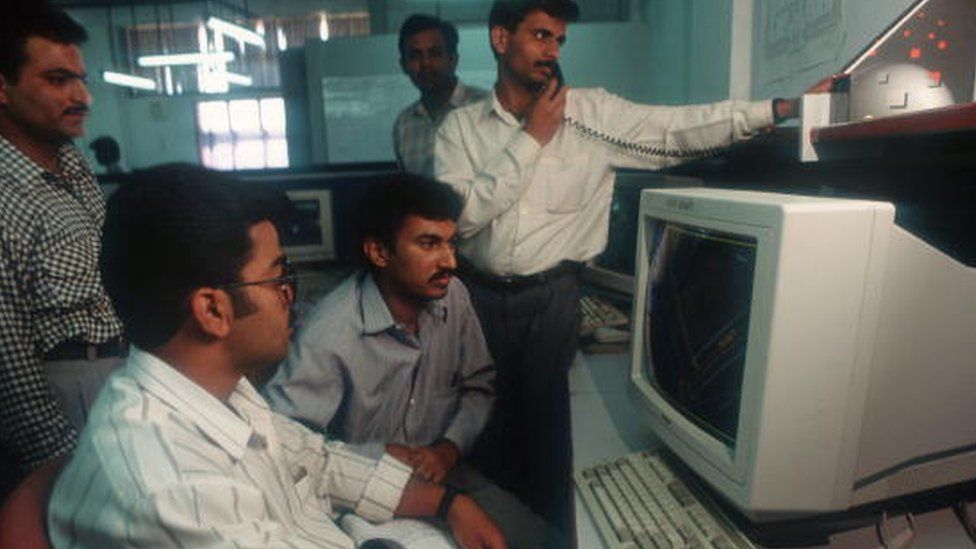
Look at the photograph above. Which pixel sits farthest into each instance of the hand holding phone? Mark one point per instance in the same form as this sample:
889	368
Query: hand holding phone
545	114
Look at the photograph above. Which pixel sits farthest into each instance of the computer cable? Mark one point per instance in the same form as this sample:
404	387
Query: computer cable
962	513
901	539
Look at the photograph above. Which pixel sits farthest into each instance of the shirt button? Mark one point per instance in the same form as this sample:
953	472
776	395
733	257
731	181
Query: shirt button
413	402
258	442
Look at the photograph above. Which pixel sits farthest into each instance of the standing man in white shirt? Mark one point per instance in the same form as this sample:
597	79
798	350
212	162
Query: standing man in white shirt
180	449
429	56
534	162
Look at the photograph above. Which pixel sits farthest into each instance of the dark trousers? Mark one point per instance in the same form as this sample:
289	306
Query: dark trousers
532	334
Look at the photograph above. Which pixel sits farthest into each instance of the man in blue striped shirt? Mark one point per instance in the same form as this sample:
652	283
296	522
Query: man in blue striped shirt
395	360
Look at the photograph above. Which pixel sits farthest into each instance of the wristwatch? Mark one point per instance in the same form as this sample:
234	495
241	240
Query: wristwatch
450	492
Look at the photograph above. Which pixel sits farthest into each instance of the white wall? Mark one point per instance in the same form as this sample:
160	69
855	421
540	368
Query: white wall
690	43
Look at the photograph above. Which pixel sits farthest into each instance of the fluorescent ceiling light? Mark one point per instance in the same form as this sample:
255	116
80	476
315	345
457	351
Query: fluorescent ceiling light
122	79
323	27
236	31
186	59
239	79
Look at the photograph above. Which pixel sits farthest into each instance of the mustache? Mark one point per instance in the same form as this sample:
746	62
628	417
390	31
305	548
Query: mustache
77	109
442	274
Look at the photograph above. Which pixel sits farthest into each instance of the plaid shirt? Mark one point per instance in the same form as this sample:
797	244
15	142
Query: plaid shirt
415	128
50	292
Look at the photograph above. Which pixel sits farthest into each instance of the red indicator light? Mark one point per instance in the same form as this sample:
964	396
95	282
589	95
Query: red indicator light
942	45
915	53
941	22
931	36
936	77
872	53
906	33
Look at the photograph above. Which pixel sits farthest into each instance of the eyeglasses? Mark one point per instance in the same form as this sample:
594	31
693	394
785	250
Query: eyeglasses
287	283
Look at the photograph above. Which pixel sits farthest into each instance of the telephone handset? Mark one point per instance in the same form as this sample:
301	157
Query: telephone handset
557	73
633	149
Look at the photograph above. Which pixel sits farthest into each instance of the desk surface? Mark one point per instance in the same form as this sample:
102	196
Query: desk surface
607	422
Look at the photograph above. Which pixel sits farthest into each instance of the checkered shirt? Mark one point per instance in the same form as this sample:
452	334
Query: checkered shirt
415	128
50	292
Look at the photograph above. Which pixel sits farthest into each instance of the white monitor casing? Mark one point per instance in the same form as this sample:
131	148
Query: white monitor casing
858	376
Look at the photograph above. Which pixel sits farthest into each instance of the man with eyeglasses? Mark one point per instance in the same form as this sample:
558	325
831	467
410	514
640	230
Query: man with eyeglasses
180	449
394	358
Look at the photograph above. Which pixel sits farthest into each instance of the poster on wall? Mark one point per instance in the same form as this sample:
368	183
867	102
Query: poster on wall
798	36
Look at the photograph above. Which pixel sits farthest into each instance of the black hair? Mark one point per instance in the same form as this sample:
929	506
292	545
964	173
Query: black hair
387	204
419	22
106	150
509	13
172	229
21	19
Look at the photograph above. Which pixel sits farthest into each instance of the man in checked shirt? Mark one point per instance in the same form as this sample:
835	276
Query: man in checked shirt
59	337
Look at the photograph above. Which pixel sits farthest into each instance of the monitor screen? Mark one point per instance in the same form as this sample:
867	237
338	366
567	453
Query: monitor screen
304	229
309	236
699	292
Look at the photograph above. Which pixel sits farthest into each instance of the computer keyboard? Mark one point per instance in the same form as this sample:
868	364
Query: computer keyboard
637	501
597	313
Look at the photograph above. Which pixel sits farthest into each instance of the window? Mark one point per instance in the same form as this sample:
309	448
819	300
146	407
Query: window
242	134
258	66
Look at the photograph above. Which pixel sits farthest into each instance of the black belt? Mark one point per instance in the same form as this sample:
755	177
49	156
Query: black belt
518	282
81	350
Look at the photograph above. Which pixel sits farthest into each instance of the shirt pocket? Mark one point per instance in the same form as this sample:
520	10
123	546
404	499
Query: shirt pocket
563	180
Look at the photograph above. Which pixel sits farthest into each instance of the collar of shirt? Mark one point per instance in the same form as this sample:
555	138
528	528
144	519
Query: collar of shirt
217	421
14	161
495	107
377	317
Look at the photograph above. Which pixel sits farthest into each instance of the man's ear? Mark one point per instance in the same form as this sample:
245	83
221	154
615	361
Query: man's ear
499	39
212	312
376	252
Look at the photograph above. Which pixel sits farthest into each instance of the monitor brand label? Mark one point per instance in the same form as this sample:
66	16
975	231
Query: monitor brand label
681	204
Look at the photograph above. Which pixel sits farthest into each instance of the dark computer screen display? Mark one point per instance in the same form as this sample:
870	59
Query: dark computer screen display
699	291
303	229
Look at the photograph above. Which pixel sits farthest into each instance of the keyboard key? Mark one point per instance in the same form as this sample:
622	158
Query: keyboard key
681	493
620	528
598	313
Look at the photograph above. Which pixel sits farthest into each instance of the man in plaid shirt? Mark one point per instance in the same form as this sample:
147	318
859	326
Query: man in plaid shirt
59	336
428	55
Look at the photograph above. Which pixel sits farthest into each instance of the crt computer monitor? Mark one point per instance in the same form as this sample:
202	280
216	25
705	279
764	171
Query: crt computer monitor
309	237
802	355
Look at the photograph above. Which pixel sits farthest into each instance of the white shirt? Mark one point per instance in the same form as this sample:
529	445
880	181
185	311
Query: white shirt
414	129
529	207
162	462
